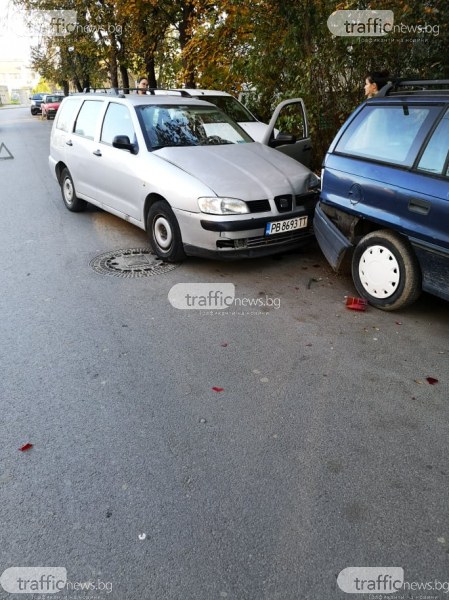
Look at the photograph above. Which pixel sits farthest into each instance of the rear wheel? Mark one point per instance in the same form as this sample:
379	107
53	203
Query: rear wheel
385	270
71	201
164	233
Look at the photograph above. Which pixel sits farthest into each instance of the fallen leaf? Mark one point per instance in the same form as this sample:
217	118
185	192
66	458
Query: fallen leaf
398	322
418	381
218	389
224	344
26	447
432	380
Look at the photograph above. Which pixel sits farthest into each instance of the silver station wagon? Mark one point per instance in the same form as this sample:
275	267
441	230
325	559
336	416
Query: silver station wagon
182	170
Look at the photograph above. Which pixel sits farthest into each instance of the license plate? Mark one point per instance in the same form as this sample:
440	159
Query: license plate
285	226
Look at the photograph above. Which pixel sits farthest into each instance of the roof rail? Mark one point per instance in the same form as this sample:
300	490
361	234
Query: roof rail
415	87
121	91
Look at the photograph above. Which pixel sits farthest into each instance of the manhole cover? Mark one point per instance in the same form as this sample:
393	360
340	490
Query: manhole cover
132	262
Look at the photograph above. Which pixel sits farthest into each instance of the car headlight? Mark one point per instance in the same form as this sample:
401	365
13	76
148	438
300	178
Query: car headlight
223	206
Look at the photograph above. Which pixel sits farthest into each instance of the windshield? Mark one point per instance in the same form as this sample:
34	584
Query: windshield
184	125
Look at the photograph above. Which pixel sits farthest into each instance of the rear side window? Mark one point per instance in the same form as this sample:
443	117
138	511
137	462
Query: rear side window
435	157
87	120
67	113
391	134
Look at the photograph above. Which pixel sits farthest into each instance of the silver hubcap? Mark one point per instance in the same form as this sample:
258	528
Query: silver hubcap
163	233
379	272
68	190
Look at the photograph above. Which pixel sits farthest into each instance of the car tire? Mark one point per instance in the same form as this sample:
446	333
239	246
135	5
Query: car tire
164	233
69	197
386	271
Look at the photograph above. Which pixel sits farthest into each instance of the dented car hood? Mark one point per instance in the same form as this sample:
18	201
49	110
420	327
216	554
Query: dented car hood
250	171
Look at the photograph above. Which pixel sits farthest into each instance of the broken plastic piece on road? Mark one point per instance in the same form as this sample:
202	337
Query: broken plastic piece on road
431	380
25	447
218	389
356	303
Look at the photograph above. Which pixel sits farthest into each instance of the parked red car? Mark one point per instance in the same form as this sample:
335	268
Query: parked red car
50	105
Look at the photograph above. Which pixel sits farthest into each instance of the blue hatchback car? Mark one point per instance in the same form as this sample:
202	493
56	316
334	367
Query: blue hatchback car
384	205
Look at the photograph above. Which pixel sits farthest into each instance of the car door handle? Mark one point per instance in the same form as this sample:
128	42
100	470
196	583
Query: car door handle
416	205
69	143
97	152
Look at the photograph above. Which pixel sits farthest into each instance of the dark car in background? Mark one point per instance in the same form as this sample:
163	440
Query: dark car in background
36	102
384	204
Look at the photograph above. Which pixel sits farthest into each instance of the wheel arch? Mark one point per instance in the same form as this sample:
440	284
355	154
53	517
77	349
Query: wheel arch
149	201
59	167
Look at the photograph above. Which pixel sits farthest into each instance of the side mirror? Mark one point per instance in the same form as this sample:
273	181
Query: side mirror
122	142
281	139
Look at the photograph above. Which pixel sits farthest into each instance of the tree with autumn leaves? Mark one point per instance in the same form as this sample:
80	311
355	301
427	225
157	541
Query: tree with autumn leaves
274	49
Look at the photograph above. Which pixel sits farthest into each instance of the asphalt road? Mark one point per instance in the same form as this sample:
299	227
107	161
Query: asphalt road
326	449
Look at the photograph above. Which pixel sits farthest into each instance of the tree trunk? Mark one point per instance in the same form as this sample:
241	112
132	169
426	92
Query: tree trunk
113	63
125	78
184	37
151	72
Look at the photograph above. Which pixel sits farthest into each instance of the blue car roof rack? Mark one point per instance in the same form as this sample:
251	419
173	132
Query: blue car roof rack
415	87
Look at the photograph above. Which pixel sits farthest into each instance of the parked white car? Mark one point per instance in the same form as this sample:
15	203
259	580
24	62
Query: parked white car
259	131
182	170
235	109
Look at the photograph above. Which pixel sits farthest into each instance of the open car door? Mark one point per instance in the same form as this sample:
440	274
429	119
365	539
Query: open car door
288	131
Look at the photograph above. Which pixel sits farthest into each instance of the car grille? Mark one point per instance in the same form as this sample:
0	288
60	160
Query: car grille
307	200
260	241
284	203
258	206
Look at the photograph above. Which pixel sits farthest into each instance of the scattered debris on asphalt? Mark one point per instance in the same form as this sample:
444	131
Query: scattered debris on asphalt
25	447
218	389
432	380
356	303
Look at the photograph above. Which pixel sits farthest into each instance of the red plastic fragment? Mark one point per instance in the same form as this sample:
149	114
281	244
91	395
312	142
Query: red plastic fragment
432	380
356	303
218	389
26	447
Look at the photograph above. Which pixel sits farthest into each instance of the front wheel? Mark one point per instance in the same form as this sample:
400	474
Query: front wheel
71	201
164	233
385	270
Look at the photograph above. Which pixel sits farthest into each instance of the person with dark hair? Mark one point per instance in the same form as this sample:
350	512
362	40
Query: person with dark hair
142	86
375	81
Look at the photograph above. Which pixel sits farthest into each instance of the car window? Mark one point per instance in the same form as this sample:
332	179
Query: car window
231	107
435	156
183	125
66	114
391	134
86	122
117	121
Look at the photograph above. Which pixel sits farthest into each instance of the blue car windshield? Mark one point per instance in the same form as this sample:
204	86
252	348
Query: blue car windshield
184	125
